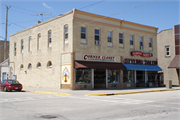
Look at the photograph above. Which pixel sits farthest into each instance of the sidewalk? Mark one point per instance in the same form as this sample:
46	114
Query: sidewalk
98	92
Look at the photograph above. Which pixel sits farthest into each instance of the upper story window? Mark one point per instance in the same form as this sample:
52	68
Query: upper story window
120	38
14	49
30	39
167	50
131	40
22	46
38	41
49	38
66	32
97	37
141	43
150	42
109	36
83	32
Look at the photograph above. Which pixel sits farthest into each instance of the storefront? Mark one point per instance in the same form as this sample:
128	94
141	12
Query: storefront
90	74
141	72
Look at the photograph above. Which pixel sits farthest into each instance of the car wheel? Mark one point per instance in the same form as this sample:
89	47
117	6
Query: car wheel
19	90
5	90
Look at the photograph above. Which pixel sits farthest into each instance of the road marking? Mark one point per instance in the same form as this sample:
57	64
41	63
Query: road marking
155	105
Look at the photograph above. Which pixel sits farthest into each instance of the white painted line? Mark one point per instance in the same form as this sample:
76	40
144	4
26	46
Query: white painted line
155	105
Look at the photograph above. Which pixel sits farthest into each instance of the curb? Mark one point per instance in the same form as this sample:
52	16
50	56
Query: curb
123	93
53	93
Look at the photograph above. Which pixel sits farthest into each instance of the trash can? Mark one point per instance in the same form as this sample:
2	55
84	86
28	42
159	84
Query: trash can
169	84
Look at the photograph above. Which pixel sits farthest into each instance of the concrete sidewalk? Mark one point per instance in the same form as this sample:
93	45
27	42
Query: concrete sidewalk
98	92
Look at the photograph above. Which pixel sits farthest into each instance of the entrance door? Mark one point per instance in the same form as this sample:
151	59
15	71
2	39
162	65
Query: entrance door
99	78
140	78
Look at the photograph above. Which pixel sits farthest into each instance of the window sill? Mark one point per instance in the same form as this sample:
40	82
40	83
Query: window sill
167	56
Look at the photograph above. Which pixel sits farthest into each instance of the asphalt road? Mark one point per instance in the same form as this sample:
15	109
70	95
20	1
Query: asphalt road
143	106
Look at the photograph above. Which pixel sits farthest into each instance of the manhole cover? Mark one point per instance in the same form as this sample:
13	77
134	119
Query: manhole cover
48	116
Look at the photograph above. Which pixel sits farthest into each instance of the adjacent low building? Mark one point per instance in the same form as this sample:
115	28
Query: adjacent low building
80	50
168	54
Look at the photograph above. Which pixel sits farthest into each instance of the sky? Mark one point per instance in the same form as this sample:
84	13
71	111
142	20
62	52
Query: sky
22	14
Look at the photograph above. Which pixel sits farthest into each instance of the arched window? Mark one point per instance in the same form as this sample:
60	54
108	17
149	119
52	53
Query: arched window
66	32
49	64
38	65
29	66
21	67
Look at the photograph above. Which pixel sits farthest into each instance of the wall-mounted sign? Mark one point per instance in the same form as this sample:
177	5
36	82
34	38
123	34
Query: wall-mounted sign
138	61
66	74
141	54
99	58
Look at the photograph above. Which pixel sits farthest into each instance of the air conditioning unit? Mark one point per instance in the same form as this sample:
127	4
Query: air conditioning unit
98	42
142	47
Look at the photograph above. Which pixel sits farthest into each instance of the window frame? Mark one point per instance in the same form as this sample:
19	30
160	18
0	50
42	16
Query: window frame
83	33
30	38
14	48
38	41
167	51
141	42
150	42
22	45
121	38
49	65
49	37
66	32
131	37
109	36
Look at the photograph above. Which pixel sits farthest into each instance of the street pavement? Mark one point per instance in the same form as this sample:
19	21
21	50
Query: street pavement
99	92
162	105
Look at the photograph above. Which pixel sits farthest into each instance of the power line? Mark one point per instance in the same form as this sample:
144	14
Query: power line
92	4
91	21
17	25
21	8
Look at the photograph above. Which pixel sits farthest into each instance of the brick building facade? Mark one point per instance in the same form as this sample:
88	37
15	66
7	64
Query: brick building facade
80	50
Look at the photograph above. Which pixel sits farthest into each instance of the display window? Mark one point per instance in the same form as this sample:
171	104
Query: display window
113	76
83	76
128	76
151	76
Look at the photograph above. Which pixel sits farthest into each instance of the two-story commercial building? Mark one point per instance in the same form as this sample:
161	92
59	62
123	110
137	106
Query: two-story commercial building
80	50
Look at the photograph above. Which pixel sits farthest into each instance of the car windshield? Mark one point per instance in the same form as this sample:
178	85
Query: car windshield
13	81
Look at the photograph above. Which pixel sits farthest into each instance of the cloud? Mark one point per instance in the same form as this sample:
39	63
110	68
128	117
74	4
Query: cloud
44	4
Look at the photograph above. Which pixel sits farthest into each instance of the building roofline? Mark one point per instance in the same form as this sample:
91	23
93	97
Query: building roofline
113	19
165	30
3	61
57	17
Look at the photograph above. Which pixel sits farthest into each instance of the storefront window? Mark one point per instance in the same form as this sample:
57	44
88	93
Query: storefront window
113	76
83	76
128	76
151	76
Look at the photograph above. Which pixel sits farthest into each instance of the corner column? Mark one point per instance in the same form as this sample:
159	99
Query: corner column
72	71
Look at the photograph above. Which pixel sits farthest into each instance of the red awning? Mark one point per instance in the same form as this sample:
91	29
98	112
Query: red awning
99	65
175	63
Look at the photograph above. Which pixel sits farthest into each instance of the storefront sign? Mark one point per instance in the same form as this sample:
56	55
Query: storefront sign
141	54
138	61
99	58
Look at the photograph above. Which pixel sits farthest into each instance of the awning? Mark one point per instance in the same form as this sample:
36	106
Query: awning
142	67
175	63
98	65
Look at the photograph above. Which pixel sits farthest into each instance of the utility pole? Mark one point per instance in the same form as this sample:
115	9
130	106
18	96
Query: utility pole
5	43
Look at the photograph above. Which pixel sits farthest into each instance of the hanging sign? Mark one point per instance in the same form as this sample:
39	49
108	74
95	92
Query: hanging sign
138	61
141	54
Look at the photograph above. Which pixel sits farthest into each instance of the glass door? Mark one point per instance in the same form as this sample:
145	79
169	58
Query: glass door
140	77
99	78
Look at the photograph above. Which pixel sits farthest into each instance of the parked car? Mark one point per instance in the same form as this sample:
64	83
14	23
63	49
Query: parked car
9	85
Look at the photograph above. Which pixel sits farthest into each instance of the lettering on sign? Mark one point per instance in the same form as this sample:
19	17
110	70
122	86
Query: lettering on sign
141	54
99	58
138	61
